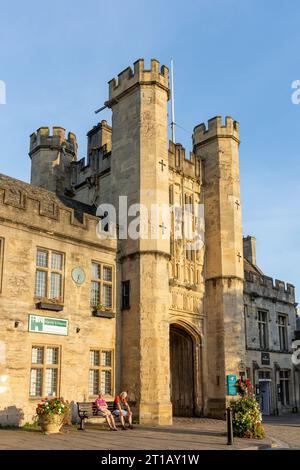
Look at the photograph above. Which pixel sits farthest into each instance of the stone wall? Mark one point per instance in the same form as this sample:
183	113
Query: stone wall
31	218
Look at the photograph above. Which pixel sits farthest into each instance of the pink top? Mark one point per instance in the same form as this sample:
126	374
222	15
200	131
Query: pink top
100	402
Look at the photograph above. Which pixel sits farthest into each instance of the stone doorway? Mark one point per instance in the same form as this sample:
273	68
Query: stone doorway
265	397
182	371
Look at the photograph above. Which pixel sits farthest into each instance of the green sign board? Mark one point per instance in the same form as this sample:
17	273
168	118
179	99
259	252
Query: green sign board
231	388
52	326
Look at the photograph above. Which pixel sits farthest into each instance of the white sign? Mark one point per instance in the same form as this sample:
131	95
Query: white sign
52	326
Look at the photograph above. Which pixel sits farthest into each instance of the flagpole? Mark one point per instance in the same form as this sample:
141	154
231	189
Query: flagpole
172	102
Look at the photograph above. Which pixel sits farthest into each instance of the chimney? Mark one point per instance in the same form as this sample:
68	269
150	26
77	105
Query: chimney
249	246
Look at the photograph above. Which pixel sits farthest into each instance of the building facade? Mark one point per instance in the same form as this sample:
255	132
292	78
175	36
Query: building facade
153	315
270	326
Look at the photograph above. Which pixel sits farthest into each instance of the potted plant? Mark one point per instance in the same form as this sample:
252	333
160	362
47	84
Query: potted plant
52	414
243	387
100	310
247	418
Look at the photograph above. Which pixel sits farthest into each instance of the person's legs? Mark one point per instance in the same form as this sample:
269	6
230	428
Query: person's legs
107	418
112	421
130	420
120	415
122	418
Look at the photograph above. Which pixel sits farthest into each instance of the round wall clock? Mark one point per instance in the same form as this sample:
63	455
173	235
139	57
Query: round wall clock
78	275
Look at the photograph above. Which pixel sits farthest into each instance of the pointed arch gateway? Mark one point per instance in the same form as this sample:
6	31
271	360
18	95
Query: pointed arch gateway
185	371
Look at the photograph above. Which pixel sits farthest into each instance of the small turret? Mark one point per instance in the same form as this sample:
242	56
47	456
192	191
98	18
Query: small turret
99	139
51	157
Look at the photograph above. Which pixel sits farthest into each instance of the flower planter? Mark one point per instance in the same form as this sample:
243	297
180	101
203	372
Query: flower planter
103	313
51	424
50	306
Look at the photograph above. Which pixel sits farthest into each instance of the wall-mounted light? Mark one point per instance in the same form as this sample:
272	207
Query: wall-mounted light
17	323
77	329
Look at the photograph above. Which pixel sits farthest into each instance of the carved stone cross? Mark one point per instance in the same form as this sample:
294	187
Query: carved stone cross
162	163
163	227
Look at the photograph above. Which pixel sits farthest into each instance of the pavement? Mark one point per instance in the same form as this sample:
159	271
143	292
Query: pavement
184	434
285	430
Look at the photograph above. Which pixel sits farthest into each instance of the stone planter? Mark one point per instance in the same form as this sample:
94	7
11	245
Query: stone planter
51	424
50	306
103	313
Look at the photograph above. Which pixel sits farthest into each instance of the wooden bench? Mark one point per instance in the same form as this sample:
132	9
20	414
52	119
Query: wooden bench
88	409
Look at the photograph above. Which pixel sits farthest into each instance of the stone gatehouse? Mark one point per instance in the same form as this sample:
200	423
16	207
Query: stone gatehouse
152	315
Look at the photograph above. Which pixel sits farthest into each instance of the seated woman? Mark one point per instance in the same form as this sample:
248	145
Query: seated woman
102	410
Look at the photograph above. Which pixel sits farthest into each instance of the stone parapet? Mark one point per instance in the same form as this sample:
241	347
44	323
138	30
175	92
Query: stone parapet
42	211
189	167
43	139
265	286
130	78
215	128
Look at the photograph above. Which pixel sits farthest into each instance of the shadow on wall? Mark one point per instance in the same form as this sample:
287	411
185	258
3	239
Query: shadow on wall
11	416
74	413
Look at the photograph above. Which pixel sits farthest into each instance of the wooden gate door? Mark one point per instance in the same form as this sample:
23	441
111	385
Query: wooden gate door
182	372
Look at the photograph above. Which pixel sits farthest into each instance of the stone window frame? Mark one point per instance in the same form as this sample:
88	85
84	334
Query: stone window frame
285	383
265	374
171	194
1	261
198	167
49	270
126	295
267	313
189	200
102	281
45	366
286	318
99	368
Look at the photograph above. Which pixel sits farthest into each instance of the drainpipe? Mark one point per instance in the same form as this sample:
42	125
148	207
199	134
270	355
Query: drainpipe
295	409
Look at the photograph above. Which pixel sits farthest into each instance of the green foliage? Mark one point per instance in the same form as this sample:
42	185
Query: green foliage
33	425
247	418
54	406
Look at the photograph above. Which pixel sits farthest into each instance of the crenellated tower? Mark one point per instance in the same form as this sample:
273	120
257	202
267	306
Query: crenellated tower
51	158
217	145
139	170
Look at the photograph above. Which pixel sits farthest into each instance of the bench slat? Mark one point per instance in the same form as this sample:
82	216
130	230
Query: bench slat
89	409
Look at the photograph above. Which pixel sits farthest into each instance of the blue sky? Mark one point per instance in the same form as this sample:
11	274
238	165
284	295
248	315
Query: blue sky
232	57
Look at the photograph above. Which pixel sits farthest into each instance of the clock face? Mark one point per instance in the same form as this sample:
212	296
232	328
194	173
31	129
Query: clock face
78	275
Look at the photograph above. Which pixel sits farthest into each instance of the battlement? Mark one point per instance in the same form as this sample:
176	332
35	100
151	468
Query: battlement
129	78
215	128
43	139
265	286
99	137
189	167
42	211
